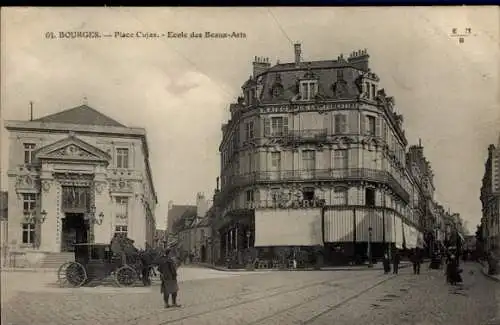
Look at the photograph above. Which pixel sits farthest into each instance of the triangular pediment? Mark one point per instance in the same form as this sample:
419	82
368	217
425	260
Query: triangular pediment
72	148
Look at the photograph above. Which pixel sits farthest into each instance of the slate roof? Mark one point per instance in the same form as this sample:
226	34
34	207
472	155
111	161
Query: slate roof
83	114
280	76
337	79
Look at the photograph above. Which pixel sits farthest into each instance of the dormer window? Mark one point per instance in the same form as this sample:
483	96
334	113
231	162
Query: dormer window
308	89
277	91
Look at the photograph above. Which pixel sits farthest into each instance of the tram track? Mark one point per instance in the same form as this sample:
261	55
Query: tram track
325	311
241	300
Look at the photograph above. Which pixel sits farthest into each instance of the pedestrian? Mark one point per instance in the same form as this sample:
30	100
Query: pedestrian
416	261
168	273
387	264
395	262
453	271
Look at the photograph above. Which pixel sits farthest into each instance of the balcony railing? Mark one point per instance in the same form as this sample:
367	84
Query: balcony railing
347	174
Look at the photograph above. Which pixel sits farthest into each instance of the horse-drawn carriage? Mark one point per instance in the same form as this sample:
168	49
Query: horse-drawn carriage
96	262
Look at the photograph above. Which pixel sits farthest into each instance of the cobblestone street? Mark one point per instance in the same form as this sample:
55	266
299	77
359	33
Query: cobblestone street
214	297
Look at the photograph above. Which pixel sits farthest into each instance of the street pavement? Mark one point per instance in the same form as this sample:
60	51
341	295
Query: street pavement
261	298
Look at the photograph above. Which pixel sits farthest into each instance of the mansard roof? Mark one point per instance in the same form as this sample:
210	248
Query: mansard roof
83	114
287	76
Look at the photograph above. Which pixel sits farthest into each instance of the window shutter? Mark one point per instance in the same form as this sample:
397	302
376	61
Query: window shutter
257	128
344	123
285	125
336	128
378	126
267	126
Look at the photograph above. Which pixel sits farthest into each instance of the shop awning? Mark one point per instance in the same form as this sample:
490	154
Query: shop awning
288	227
406	234
420	240
398	232
339	225
366	219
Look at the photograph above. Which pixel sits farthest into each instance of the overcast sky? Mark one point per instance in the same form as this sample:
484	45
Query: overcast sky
180	89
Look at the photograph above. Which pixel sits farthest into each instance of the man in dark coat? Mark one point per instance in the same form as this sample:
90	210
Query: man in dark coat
168	271
416	260
387	264
395	262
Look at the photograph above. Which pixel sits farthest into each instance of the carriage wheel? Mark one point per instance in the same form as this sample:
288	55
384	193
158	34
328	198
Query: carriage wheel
125	276
72	274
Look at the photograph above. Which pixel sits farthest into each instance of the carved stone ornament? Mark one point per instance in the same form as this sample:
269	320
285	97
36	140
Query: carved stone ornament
73	151
99	187
120	185
26	182
46	185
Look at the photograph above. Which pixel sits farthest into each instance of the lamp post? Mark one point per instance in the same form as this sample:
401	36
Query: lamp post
36	219
93	219
370	259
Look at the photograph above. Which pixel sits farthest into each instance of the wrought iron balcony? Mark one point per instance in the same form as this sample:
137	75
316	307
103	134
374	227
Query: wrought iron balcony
343	174
310	135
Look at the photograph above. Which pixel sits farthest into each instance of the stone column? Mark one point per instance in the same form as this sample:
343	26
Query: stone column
103	203
50	201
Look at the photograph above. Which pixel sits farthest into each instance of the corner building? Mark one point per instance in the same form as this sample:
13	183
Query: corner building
71	164
314	155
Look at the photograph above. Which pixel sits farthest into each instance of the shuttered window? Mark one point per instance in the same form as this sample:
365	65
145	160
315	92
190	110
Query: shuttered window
340	124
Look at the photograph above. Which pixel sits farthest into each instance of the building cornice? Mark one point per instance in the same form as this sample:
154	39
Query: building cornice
96	130
15	125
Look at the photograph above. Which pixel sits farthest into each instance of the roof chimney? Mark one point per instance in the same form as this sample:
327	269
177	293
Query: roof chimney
298	52
260	65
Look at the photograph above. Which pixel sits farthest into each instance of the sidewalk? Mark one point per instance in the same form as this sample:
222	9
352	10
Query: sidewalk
484	270
376	267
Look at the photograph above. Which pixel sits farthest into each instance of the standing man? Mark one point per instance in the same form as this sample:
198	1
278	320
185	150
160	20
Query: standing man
395	261
416	260
168	271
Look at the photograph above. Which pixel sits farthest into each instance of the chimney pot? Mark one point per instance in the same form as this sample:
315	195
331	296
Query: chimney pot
298	52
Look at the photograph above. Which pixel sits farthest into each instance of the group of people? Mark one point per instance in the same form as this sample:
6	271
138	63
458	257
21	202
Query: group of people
396	259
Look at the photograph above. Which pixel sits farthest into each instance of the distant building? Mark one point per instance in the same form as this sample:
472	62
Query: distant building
175	213
490	200
193	231
78	176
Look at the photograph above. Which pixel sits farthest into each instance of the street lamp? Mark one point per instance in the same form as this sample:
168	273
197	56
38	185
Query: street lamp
36	219
93	219
370	259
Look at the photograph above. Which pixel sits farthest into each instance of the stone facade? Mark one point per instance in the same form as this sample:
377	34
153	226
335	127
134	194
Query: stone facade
321	131
74	163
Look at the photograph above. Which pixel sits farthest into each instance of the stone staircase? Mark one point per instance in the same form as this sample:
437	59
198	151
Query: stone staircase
55	260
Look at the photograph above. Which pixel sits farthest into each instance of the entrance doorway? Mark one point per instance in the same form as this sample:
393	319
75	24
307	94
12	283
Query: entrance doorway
74	231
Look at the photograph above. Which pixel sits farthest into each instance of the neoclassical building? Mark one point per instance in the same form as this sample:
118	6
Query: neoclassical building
314	155
78	176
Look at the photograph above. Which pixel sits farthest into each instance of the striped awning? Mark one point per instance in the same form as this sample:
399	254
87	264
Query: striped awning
338	225
411	240
366	219
406	234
